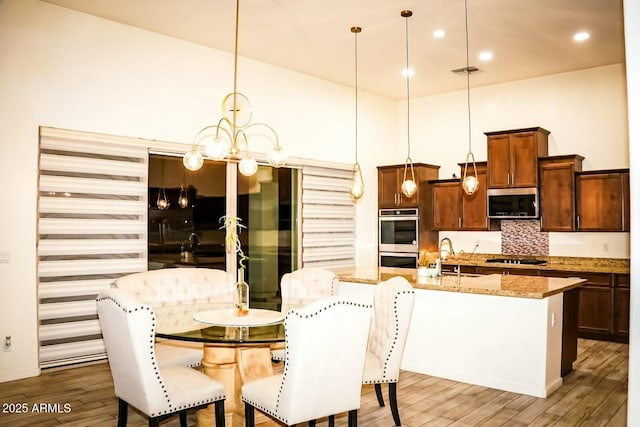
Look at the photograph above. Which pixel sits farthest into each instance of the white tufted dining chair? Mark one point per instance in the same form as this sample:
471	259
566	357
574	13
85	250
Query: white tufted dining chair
392	307
301	287
323	367
128	329
168	286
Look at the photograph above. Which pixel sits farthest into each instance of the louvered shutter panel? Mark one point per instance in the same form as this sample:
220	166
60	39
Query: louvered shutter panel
92	228
328	218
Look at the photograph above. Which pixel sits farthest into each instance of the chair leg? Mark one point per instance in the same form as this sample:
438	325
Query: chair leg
353	418
378	388
183	418
219	410
393	402
122	413
332	420
249	416
154	422
312	423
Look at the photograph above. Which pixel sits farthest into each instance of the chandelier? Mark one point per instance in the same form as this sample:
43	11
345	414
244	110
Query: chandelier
229	138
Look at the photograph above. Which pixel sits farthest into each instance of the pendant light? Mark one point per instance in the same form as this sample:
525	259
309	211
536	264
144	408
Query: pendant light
469	183
183	200
229	138
162	202
357	183
408	186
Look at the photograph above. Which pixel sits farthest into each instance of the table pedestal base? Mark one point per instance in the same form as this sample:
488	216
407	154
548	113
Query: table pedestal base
234	366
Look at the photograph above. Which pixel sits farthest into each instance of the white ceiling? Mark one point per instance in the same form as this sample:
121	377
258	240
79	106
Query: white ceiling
528	37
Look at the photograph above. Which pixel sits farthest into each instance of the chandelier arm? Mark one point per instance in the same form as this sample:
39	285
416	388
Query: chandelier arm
251	125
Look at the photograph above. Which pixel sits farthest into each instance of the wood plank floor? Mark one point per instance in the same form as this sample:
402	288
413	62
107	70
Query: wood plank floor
595	394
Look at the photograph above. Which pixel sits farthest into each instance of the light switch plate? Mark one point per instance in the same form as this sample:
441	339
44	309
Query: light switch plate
5	257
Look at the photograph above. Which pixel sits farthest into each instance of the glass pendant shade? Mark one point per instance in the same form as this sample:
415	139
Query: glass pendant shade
239	104
409	185
193	160
470	184
277	157
216	148
183	200
357	183
162	202
248	166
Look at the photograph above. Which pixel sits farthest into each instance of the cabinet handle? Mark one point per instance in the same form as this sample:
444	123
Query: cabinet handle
578	220
508	179
459	222
513	181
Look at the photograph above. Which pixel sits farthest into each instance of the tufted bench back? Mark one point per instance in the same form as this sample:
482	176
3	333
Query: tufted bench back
173	285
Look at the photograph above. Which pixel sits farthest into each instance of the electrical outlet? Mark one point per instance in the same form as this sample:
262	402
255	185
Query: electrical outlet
7	343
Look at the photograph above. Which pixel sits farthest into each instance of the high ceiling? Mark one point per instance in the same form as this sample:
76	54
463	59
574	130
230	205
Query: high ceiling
528	38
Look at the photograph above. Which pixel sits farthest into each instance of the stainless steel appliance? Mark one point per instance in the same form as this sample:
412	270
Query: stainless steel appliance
512	203
398	231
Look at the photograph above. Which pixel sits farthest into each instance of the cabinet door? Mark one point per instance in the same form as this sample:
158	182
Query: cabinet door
602	202
557	197
621	305
595	315
388	188
524	159
498	160
446	205
474	207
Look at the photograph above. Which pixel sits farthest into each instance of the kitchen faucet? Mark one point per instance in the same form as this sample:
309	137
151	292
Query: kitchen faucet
446	242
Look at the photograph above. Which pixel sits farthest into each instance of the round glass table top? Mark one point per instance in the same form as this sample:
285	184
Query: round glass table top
178	321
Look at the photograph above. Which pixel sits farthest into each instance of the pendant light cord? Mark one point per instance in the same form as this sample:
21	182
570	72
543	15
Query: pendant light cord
235	72
356	30
466	32
406	30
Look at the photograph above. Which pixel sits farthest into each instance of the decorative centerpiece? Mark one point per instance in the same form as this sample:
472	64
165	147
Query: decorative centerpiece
233	226
426	266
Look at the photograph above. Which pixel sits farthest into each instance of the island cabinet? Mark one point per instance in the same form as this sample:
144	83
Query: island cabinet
512	157
557	192
602	200
453	209
390	179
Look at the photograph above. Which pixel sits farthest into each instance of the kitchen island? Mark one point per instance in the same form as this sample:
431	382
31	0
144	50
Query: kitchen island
513	333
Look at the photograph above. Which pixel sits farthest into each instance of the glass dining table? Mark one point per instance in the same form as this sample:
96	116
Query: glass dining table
236	350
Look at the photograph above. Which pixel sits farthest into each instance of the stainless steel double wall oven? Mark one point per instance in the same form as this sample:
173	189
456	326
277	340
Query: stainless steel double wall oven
398	244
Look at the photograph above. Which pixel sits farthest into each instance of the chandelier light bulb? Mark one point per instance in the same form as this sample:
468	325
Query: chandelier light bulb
216	148
248	166
193	160
409	188
183	200
357	182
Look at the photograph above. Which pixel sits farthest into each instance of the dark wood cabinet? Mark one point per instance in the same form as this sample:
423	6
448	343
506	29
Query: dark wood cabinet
602	200
390	179
557	192
621	298
453	209
512	157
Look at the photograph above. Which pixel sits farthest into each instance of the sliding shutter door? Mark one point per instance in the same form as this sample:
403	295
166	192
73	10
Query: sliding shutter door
328	218
92	228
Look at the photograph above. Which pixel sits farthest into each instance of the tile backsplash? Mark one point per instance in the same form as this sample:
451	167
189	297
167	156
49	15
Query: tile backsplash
523	237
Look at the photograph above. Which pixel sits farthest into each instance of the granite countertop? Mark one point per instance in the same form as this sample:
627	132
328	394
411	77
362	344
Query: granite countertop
491	284
587	265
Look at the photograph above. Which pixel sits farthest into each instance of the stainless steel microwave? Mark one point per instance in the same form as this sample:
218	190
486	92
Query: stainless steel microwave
512	203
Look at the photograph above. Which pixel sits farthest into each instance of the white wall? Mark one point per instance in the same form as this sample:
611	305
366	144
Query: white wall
66	69
632	40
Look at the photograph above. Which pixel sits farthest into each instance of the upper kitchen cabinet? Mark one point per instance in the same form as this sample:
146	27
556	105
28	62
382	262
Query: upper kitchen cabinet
512	157
602	200
390	179
453	209
557	192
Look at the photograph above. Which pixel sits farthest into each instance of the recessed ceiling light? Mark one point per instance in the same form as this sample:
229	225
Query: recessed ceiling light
408	72
485	56
438	34
581	36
